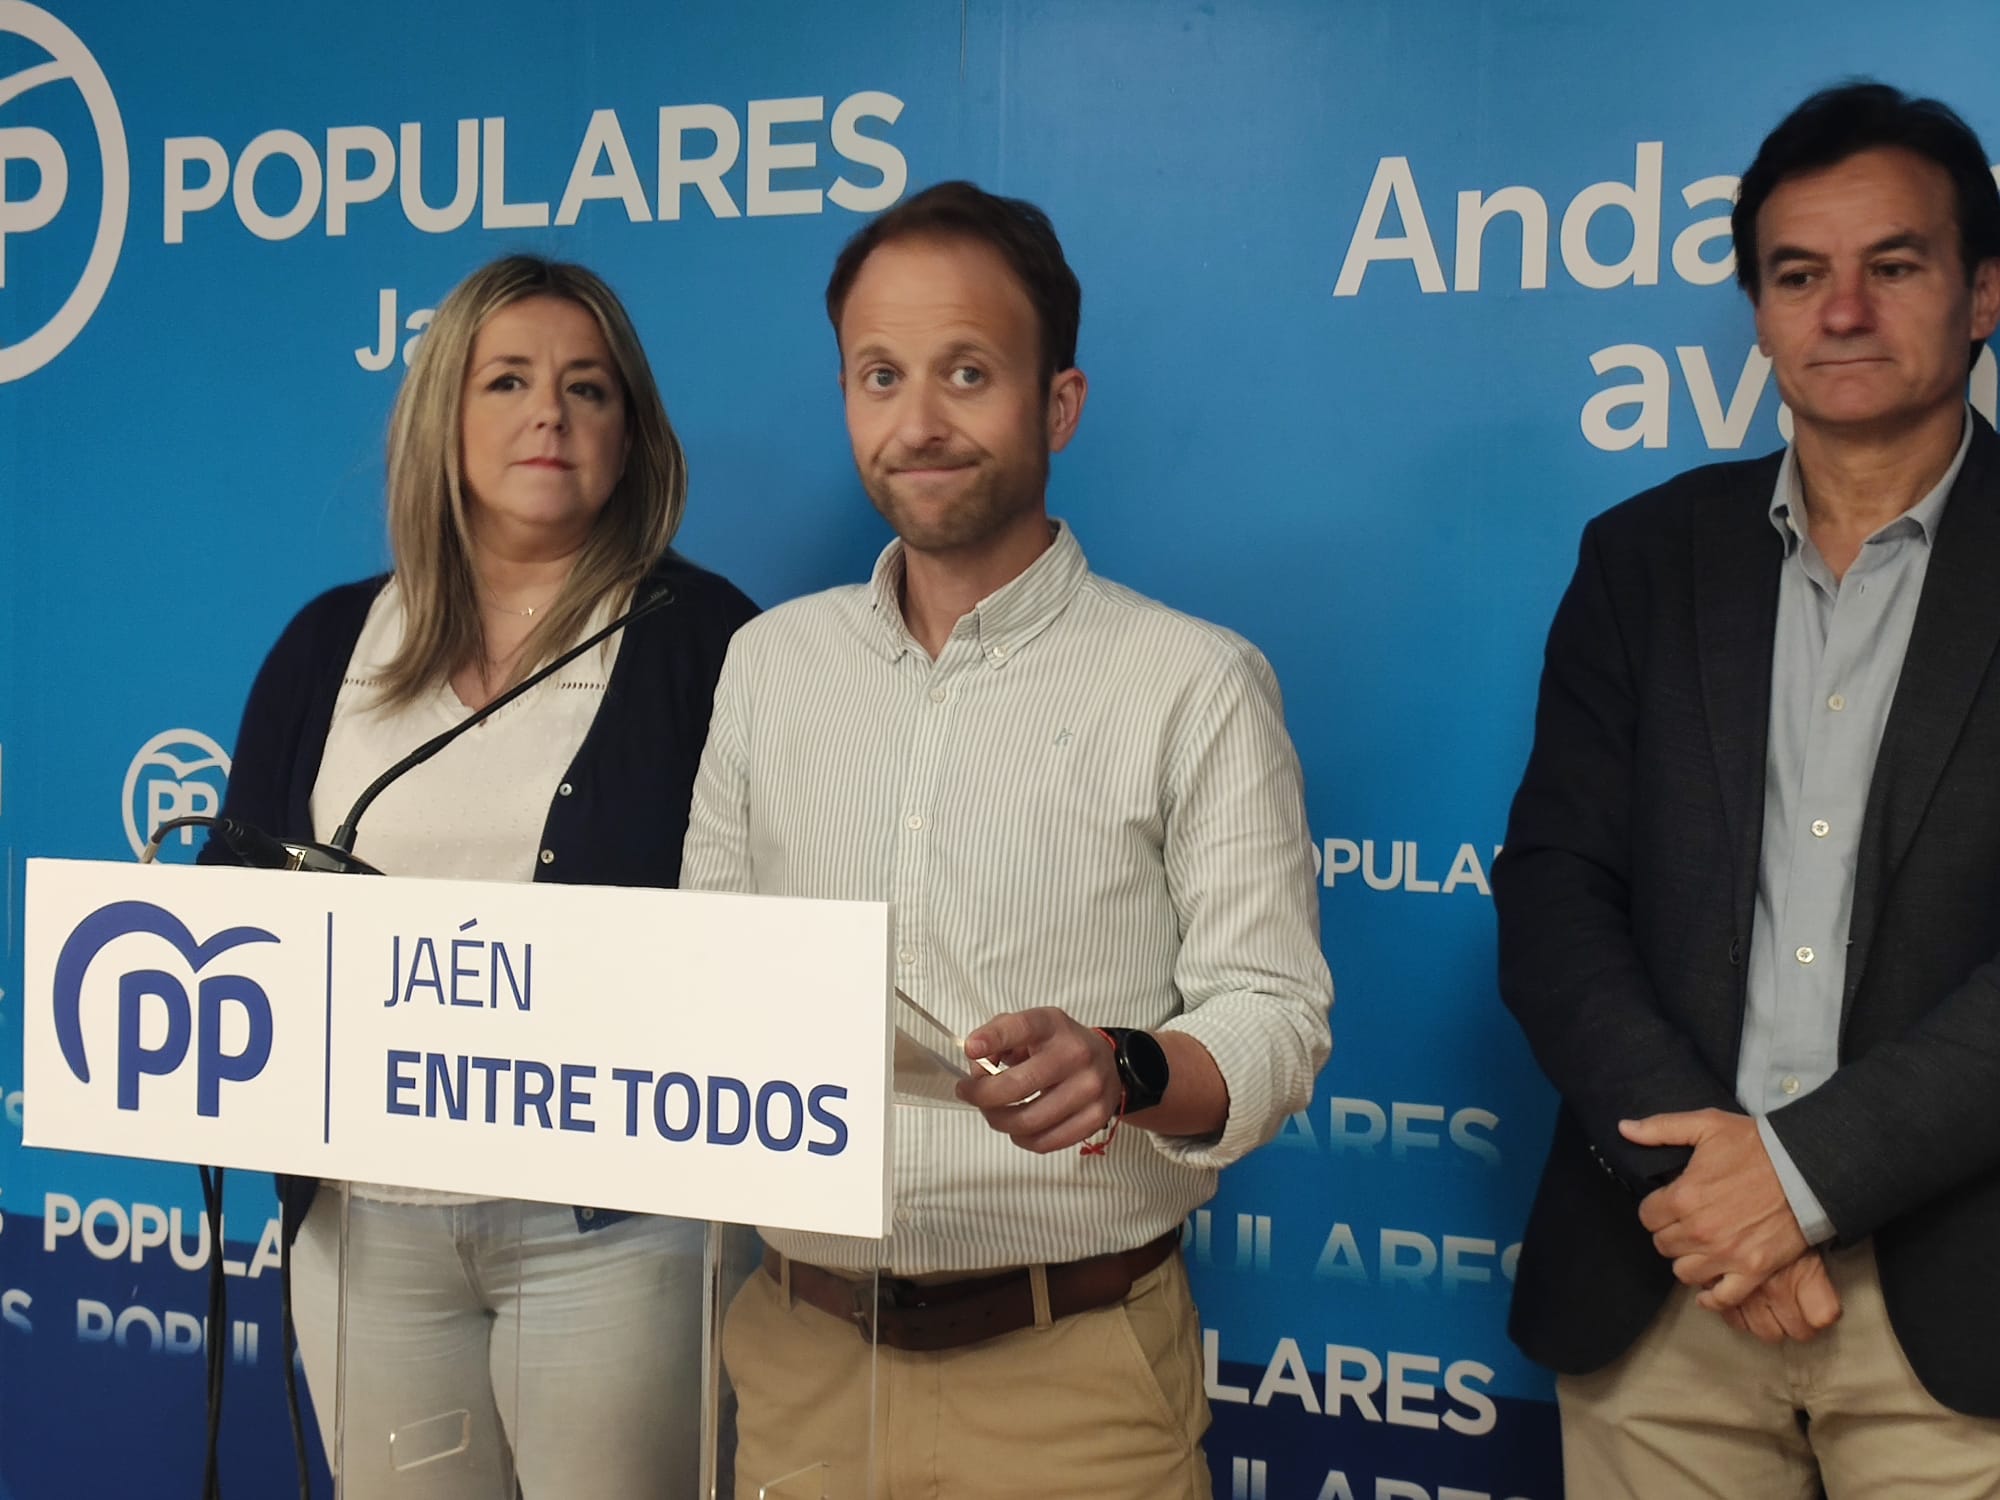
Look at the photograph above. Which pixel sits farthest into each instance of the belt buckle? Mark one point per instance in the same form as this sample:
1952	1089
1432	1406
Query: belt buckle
873	1294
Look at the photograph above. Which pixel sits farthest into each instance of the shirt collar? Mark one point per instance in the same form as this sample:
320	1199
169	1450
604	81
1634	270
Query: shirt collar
1787	499
1006	619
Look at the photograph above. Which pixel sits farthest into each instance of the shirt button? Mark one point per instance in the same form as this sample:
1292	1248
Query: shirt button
589	1214
548	856
1789	1084
1821	828
1836	703
998	653
906	956
938	695
913	822
1804	955
564	790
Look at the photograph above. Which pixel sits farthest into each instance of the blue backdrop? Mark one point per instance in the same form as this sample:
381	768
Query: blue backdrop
1381	302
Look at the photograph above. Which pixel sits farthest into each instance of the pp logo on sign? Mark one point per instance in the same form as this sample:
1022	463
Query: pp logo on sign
156	1022
178	773
48	170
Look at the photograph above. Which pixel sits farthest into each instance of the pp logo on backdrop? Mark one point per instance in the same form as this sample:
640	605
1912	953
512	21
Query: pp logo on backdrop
69	62
157	1023
178	773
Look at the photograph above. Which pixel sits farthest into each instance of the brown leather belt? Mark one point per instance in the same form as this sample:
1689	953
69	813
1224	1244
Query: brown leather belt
950	1314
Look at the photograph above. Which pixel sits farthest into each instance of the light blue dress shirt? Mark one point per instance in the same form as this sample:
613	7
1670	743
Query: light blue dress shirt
1835	661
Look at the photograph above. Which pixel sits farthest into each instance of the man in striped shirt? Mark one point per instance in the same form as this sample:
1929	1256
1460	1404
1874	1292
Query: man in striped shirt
1086	813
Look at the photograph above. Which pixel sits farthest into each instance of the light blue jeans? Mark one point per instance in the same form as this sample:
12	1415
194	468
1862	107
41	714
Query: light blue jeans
492	1342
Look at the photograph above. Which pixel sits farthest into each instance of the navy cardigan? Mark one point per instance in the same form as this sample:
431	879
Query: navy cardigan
620	814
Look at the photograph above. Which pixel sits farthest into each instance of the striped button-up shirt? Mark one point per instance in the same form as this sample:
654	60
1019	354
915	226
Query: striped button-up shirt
1835	662
1087	800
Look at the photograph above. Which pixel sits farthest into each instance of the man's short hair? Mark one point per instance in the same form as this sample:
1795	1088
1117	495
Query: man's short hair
1840	122
1014	227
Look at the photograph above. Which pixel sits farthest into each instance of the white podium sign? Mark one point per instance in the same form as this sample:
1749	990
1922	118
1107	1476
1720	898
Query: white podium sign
715	1057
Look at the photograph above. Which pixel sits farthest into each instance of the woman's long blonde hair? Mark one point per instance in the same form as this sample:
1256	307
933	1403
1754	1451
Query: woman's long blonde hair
429	535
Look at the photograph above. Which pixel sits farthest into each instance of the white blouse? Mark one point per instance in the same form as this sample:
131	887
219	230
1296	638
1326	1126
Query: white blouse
476	810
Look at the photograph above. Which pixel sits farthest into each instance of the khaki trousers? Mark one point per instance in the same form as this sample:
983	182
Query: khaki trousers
1107	1403
1695	1409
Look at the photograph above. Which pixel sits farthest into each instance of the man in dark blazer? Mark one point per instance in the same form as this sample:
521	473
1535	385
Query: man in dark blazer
1750	897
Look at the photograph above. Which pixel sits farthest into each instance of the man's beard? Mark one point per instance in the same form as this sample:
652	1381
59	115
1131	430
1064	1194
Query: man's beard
986	506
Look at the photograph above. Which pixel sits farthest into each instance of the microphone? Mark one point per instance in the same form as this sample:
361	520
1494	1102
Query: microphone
338	853
260	851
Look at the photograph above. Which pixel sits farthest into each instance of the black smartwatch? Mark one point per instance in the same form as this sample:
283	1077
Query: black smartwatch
1142	1066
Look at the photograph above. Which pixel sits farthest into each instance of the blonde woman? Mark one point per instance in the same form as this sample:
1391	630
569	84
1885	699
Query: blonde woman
534	487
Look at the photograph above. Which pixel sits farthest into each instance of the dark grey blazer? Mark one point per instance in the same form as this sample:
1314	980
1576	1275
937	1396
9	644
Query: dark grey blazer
1625	895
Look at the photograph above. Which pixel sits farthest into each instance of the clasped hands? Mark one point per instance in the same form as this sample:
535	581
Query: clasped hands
1728	1228
1725	1222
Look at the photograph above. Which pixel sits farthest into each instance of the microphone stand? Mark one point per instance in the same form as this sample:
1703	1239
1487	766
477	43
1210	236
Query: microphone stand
261	851
343	836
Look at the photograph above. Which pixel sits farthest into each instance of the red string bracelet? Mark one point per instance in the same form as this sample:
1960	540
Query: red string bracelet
1099	1148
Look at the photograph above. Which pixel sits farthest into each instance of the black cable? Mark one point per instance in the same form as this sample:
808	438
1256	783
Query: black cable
218	1331
259	846
288	1345
160	833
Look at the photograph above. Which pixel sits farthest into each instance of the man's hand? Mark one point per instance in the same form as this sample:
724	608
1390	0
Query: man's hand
1724	1222
1797	1303
1047	1054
